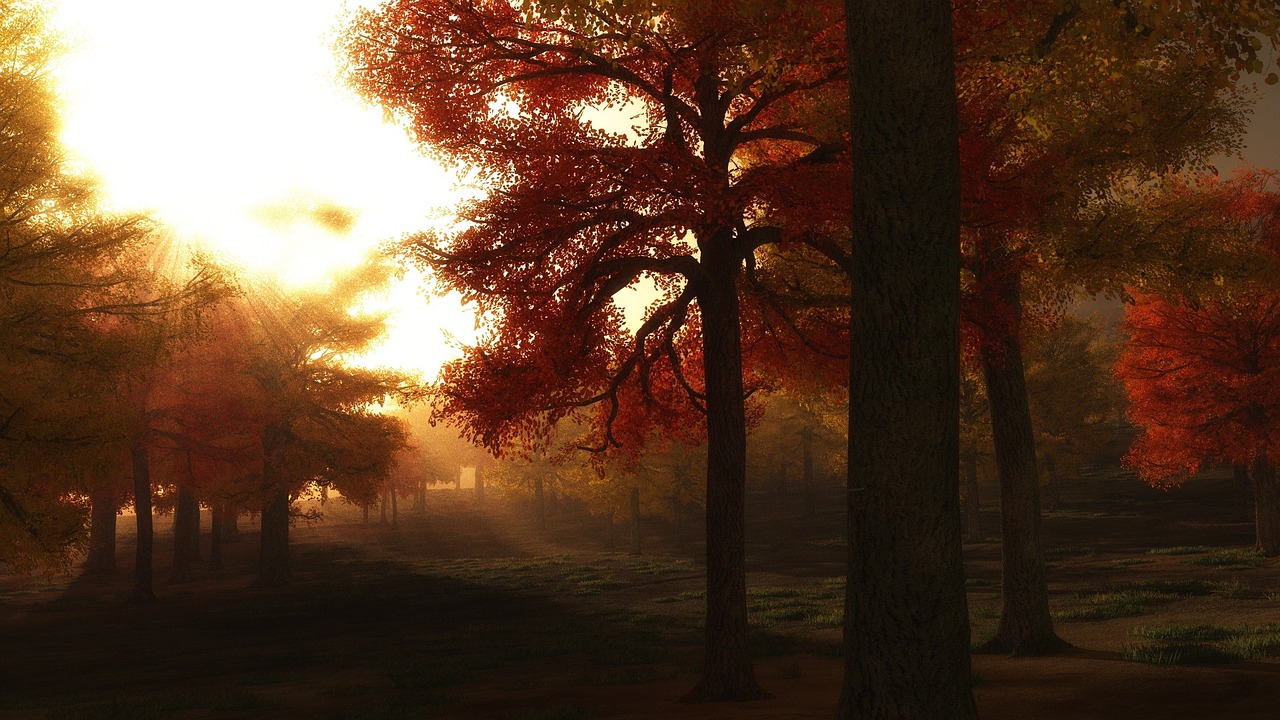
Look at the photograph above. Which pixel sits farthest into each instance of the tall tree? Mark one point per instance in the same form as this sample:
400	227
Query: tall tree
906	620
576	212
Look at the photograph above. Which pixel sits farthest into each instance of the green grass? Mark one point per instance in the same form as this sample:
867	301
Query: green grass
1052	554
1110	605
1129	562
1234	558
1180	550
1204	643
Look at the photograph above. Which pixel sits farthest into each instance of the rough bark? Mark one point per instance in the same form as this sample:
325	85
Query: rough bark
1266	503
186	536
1025	626
727	672
635	521
102	534
143	590
972	504
906	632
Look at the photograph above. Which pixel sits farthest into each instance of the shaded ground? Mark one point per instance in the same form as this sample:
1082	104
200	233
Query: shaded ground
470	611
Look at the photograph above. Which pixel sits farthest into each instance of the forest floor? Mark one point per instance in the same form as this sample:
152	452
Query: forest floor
470	610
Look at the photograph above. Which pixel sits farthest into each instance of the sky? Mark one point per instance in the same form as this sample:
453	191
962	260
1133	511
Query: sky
226	122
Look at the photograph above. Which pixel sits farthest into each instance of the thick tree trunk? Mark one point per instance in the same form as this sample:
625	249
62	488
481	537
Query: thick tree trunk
906	628
1266	503
142	573
727	672
102	534
972	505
273	560
1025	626
635	521
186	536
230	523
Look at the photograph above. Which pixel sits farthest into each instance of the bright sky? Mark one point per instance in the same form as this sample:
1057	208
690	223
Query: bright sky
224	120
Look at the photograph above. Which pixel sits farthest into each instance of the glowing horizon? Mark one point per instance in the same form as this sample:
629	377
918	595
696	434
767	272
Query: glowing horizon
227	124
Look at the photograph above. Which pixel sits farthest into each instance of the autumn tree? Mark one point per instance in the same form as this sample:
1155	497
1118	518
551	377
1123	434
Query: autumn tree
1200	370
577	211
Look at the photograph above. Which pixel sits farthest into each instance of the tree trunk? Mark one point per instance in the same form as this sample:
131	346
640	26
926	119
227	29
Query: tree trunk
102	534
1051	484
479	482
972	506
1025	626
217	519
1242	486
906	627
382	507
539	503
806	470
1266	503
230	523
365	508
186	536
395	508
273	553
727	672
608	531
142	575
273	560
635	521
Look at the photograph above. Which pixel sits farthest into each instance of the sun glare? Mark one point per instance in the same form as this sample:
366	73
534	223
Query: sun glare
226	123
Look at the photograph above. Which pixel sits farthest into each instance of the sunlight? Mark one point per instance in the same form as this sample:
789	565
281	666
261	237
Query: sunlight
226	123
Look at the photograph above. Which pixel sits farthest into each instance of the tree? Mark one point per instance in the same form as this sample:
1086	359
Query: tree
576	213
906	621
1200	370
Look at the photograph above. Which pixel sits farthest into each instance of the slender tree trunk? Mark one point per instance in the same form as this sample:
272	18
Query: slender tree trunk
231	524
273	553
906	627
1051	484
479	470
727	672
142	573
972	505
1266	503
806	470
1242	484
186	536
539	503
102	534
635	521
217	520
1025	626
608	532
395	509
382	506
273	560
365	508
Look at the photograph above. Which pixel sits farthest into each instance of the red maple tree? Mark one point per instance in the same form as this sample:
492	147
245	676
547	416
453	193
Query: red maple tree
1203	374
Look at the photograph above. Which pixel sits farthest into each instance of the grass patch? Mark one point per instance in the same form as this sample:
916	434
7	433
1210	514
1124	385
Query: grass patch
1130	562
1186	633
1181	654
1181	588
1110	605
985	612
1231	559
1180	550
1052	554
